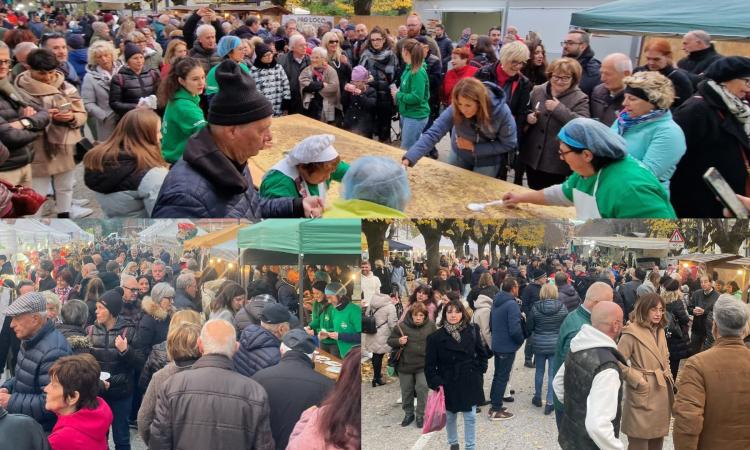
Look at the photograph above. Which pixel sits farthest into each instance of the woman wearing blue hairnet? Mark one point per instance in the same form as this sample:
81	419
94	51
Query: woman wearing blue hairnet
606	182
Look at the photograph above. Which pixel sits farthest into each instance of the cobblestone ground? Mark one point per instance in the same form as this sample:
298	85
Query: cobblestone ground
529	429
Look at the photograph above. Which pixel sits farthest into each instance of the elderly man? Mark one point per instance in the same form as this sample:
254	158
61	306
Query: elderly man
259	345
190	32
211	405
700	54
204	48
20	53
41	346
597	292
292	385
290	27
359	44
294	63
131	306
577	45
713	395
159	272
212	178
414	28
606	98
589	382
186	292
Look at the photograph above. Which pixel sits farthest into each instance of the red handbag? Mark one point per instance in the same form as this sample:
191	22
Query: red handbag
24	201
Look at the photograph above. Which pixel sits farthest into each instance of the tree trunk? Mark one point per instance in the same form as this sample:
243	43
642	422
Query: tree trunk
729	234
362	7
458	244
493	254
432	231
374	231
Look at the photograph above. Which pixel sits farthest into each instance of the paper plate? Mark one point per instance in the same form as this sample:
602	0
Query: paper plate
104	376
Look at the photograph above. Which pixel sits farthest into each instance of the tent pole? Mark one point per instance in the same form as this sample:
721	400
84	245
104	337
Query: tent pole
300	309
506	12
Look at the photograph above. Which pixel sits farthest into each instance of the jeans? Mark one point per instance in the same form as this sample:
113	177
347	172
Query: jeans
470	431
120	429
454	160
411	129
411	383
503	366
539	375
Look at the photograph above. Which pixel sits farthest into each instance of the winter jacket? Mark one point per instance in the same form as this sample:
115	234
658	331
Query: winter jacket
309	435
705	301
85	428
76	337
544	323
292	386
507	335
697	62
678	345
218	408
446	50
647	409
273	83
326	91
36	356
127	88
207	58
79	60
95	94
715	138
54	150
23	431
713	397
249	315
183	117
683	86
604	106
413	353
590	76
259	349
385	319
658	144
529	297
359	111
517	91
568	330
629	294
153	326
287	295
413	96
157	359
539	149
482	317
489	143
293	70
122	189
568	296
457	366
452	77
19	142
382	66
489	291
205	183
121	366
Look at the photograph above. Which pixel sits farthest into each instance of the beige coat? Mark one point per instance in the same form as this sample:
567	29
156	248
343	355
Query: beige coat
54	150
713	399
646	408
330	93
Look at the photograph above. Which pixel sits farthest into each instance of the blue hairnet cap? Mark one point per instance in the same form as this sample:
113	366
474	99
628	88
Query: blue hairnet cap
594	136
379	180
227	44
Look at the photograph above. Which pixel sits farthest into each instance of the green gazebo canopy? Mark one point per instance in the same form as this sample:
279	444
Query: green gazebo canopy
724	18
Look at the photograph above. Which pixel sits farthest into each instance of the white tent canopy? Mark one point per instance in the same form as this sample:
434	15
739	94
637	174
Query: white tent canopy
164	232
27	234
623	242
70	228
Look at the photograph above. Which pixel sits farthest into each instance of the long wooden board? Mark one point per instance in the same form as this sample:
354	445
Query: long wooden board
439	190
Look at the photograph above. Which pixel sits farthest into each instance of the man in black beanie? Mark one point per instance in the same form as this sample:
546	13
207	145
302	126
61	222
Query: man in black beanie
212	179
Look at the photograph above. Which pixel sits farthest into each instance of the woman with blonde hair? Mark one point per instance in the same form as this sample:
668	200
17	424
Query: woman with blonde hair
337	59
102	66
176	49
646	124
649	387
481	126
131	269
127	170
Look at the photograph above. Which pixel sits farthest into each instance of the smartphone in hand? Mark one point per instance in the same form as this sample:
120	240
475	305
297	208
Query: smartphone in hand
726	196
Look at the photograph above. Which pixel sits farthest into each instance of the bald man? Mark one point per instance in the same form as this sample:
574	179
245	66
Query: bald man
596	293
590	383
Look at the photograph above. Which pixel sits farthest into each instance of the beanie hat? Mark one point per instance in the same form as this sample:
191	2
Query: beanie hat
319	285
227	44
728	68
75	41
107	17
132	49
238	101
359	73
112	300
261	49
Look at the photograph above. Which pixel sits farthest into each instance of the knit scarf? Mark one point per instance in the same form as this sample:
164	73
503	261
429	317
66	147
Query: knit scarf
734	104
625	122
455	330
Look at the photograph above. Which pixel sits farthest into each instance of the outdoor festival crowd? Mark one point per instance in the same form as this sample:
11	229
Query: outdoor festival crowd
113	335
626	349
203	89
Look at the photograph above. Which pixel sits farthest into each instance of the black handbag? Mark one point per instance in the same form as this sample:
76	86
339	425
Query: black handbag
82	147
395	355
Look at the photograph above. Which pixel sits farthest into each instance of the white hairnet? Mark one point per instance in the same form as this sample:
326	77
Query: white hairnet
379	180
594	136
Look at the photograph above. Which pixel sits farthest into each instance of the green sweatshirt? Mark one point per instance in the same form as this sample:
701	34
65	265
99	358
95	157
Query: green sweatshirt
275	184
347	320
322	320
413	97
182	118
212	87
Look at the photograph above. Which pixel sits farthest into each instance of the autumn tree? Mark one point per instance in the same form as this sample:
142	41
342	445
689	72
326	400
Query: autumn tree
432	230
362	7
374	230
459	234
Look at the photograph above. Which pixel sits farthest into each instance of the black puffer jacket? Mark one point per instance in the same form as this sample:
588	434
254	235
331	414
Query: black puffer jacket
248	315
678	346
544	322
76	337
118	176
590	77
157	359
18	141
153	326
127	88
120	366
208	58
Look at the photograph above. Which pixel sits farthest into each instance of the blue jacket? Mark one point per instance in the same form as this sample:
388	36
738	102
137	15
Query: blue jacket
34	360
258	349
79	59
544	322
658	143
207	184
505	323
489	144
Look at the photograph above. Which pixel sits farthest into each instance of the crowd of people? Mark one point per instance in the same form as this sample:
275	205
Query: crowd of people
625	350
204	88
112	336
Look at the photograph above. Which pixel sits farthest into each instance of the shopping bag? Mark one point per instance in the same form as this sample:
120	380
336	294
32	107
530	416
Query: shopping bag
434	412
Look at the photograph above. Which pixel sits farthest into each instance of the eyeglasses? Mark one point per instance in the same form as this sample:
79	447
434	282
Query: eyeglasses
564	43
518	63
4	62
333	42
168	298
559	78
562	153
130	288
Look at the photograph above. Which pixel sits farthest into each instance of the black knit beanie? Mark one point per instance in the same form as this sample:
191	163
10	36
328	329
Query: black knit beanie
112	300
132	49
238	101
261	49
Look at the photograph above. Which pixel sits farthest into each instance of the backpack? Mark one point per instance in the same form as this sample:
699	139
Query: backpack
369	325
672	330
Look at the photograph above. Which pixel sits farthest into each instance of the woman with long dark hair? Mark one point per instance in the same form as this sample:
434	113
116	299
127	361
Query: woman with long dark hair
180	94
337	423
230	299
380	60
422	294
536	68
94	290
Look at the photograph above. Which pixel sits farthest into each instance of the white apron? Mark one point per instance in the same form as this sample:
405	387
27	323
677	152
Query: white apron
586	207
292	172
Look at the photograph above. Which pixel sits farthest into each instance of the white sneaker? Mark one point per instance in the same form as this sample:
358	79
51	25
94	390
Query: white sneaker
400	399
80	201
76	212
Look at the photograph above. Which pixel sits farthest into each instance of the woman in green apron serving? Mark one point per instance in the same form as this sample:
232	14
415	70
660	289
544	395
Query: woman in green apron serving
347	320
606	182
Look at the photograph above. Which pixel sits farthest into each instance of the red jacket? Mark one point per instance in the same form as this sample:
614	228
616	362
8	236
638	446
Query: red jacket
86	428
452	77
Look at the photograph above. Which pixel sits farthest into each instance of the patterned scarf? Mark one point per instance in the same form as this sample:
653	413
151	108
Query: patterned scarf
455	330
624	122
736	106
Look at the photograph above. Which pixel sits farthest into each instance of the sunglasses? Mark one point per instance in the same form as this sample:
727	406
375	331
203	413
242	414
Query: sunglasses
333	42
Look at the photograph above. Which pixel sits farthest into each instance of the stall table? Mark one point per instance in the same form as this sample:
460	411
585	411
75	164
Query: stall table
321	366
438	189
